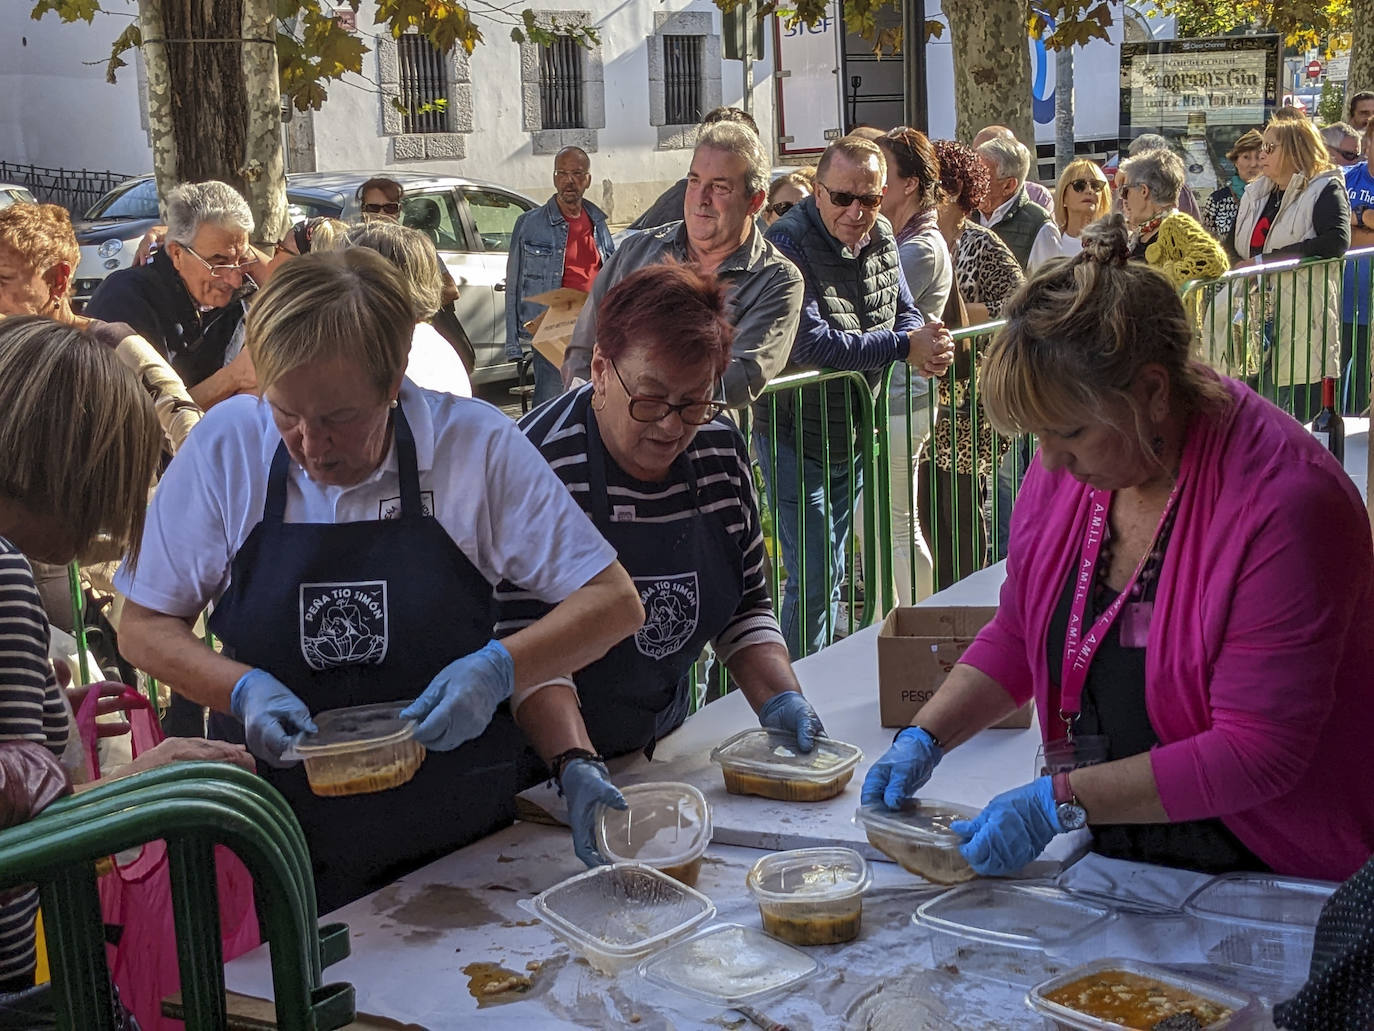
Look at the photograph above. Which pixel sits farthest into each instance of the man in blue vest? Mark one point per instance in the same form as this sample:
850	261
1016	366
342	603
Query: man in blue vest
857	314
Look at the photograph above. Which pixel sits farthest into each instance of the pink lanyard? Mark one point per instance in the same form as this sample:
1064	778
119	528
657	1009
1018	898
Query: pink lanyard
1079	648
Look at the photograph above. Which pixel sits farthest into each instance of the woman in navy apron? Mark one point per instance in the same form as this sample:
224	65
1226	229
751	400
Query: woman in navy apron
670	487
346	581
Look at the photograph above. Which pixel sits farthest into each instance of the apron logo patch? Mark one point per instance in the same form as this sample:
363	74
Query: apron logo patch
390	508
343	624
671	610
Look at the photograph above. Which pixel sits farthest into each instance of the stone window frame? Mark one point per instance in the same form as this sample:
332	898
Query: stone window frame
431	146
683	23
551	141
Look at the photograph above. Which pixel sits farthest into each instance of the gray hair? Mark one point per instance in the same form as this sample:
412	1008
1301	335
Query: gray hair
192	205
1011	158
1160	170
736	138
413	253
1146	142
1335	132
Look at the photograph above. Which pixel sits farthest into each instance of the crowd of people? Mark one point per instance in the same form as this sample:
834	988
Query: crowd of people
534	594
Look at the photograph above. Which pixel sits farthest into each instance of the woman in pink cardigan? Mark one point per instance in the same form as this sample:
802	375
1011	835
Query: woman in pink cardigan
1189	599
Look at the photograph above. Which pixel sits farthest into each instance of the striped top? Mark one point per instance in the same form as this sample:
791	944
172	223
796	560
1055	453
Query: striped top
31	709
725	492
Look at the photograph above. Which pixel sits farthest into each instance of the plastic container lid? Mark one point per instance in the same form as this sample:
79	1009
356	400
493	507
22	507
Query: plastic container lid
810	875
921	821
1260	900
353	729
1243	1006
728	965
1019	916
616	915
666	824
773	753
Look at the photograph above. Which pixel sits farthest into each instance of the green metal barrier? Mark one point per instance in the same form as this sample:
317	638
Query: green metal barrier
192	807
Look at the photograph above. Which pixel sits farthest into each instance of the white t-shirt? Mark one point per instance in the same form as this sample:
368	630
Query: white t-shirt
434	364
488	486
1071	246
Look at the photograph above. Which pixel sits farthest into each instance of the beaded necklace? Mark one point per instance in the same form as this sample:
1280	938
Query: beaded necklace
1148	573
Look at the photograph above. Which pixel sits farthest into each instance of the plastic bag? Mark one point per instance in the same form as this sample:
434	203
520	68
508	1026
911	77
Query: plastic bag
136	896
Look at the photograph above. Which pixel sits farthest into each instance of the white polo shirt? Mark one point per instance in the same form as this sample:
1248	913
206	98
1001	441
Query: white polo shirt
492	492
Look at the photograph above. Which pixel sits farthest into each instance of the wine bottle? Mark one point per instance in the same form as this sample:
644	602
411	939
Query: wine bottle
1327	427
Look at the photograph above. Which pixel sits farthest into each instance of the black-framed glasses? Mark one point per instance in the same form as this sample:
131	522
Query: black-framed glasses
1349	155
220	271
391	207
652	409
781	207
1079	185
844	200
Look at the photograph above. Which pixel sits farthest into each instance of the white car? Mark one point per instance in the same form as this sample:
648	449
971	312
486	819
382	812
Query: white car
13	194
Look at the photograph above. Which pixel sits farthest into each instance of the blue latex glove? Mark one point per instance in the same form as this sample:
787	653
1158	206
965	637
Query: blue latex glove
791	712
902	770
461	700
1012	830
586	788
272	715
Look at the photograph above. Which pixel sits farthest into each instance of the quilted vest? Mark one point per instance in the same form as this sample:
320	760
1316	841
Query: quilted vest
1021	225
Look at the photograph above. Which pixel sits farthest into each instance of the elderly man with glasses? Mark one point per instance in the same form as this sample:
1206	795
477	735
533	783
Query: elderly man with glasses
188	301
857	314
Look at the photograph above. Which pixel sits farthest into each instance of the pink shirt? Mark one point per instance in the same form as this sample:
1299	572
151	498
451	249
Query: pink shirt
1259	668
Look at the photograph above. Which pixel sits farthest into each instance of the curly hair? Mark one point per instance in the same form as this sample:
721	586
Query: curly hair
41	235
963	178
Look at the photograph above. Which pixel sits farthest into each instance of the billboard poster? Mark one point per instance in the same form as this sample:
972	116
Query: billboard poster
1201	95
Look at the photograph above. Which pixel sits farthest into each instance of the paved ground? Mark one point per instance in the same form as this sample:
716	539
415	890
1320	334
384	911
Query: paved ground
500	395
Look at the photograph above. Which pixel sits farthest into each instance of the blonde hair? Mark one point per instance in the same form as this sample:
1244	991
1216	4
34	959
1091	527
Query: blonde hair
409	250
1080	168
351	304
1301	143
327	234
41	235
79	434
1078	333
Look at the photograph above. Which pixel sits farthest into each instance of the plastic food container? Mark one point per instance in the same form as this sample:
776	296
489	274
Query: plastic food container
1126	983
1260	923
360	750
767	763
728	965
1009	932
811	896
918	837
667	826
614	916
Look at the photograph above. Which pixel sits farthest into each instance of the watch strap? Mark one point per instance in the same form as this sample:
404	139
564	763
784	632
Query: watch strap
1063	789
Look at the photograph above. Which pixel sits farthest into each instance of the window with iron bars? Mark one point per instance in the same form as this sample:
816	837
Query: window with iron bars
560	85
423	85
683	57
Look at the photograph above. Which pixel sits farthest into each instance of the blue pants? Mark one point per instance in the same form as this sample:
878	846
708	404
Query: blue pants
810	605
548	381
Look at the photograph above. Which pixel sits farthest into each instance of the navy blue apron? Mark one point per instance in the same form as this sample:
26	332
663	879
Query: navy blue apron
690	576
356	613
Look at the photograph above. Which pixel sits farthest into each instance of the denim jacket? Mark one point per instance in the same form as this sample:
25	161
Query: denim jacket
534	264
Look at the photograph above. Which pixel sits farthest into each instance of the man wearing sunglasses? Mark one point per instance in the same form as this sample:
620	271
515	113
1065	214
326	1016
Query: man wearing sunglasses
1342	144
188	301
857	314
1008	211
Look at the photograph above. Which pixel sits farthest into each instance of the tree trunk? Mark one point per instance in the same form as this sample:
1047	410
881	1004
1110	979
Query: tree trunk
210	86
992	74
1063	110
1361	74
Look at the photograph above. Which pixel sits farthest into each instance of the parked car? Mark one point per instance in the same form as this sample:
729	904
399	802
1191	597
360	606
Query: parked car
13	194
469	220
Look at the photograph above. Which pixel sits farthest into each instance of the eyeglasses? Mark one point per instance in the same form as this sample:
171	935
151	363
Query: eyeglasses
844	200
1269	148
389	208
573	174
1079	185
1349	155
652	409
220	271
781	207
1127	188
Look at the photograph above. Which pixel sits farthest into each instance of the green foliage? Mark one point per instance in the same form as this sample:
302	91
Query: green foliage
1331	105
1302	23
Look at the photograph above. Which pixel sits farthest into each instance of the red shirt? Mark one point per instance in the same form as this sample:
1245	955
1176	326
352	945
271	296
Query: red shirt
581	259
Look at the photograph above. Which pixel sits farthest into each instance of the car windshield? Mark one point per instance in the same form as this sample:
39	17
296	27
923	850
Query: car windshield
15	195
124	201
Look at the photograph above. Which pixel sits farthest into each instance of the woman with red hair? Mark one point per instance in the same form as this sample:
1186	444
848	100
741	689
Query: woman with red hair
670	486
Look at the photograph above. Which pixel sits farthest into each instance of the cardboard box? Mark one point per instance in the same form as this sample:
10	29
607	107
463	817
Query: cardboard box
917	647
553	328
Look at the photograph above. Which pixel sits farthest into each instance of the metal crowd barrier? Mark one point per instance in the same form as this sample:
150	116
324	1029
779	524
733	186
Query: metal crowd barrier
192	807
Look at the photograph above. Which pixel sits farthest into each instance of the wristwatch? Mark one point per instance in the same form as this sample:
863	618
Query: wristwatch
1070	811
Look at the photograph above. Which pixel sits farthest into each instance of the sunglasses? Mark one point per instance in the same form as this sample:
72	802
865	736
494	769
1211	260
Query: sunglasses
781	207
844	200
1079	185
1268	148
1349	155
389	208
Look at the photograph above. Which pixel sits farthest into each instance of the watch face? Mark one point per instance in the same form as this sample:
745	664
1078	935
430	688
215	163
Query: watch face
1071	816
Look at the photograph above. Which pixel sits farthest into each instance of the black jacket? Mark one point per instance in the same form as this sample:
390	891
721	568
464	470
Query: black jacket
155	302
